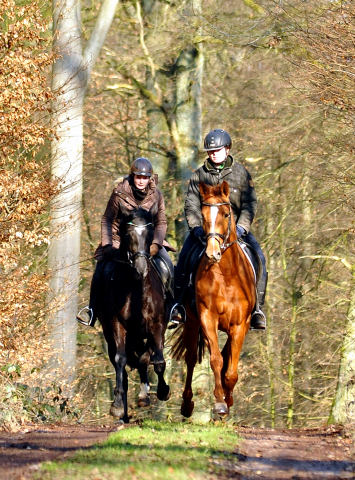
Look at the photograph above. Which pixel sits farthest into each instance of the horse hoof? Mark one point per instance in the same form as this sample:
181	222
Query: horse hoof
144	402
117	411
164	394
187	408
220	408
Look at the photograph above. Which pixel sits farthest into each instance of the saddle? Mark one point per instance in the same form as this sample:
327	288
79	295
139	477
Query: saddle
163	269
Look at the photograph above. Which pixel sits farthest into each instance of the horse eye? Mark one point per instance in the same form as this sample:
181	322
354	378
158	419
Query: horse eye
226	215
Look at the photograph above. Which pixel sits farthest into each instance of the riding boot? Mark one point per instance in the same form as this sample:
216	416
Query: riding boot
258	319
177	311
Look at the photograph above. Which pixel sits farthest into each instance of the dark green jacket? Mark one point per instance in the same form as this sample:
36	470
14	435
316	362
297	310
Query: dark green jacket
242	193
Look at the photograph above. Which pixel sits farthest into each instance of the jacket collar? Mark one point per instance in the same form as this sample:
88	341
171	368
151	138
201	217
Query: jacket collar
126	189
210	166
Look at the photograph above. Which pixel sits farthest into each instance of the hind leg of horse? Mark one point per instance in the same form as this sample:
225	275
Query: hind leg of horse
116	349
191	331
231	359
143	396
209	326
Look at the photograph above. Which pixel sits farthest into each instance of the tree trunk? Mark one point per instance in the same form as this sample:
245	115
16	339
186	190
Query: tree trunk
71	73
343	408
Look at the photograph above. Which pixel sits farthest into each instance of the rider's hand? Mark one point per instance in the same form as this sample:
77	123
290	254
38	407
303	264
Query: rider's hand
199	233
240	231
154	249
108	252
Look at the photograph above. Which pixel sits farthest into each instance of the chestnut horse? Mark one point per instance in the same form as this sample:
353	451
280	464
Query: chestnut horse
132	313
225	298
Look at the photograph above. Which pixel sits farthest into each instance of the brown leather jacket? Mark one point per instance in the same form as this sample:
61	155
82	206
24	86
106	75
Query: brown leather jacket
121	203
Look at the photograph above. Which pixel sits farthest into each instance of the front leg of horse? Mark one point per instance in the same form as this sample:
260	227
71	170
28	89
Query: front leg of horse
163	390
116	350
216	360
231	354
144	396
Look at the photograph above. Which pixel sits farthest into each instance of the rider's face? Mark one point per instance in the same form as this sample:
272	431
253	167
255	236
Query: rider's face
218	156
141	181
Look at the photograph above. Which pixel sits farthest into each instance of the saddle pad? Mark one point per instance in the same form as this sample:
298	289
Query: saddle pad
253	258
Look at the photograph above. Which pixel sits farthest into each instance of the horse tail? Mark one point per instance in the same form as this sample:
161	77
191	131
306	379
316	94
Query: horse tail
201	343
178	349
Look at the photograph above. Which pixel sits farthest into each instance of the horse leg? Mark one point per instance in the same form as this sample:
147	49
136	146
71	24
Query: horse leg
191	332
157	359
143	396
157	356
163	390
116	349
228	395
230	370
209	326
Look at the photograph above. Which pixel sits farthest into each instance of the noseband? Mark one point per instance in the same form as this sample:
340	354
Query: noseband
223	246
140	253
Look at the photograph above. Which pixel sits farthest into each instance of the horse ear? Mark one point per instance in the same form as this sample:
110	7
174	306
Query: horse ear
204	189
225	188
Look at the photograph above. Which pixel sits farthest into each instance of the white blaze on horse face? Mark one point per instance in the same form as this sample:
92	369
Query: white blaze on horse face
140	230
214	213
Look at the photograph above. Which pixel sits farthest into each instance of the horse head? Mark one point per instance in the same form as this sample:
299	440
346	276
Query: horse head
217	219
138	228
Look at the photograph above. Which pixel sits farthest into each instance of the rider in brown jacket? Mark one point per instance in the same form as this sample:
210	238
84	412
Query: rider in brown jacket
137	190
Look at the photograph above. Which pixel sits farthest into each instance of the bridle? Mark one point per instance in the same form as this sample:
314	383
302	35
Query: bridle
141	253
223	246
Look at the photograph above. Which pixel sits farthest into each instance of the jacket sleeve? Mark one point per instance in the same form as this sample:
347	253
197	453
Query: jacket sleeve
193	203
160	224
108	218
248	201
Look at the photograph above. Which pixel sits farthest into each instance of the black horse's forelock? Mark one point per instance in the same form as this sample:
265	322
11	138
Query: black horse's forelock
138	213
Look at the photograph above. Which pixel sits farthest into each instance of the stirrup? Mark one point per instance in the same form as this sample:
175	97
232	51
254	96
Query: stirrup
89	313
260	324
177	309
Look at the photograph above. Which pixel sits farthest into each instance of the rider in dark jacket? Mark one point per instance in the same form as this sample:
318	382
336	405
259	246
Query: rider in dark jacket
219	167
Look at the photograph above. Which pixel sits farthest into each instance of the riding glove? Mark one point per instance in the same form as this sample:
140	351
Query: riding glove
154	249
240	231
199	233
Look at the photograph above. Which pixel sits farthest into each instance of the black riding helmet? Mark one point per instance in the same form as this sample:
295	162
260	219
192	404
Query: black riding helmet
142	166
216	139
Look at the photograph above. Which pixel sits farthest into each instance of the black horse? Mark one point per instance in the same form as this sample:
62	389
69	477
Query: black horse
132	312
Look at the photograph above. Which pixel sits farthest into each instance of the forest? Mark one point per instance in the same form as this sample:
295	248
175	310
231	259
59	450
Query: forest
87	87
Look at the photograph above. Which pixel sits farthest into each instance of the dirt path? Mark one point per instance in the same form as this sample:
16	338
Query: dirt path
311	454
325	454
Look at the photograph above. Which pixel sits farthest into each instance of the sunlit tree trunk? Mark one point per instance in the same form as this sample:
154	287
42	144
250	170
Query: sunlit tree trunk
343	408
71	74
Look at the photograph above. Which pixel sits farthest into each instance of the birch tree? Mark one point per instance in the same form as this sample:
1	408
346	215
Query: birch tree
71	75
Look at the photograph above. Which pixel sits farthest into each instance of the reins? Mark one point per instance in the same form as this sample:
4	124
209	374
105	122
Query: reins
223	246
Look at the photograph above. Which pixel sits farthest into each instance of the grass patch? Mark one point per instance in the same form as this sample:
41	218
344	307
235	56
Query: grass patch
153	450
